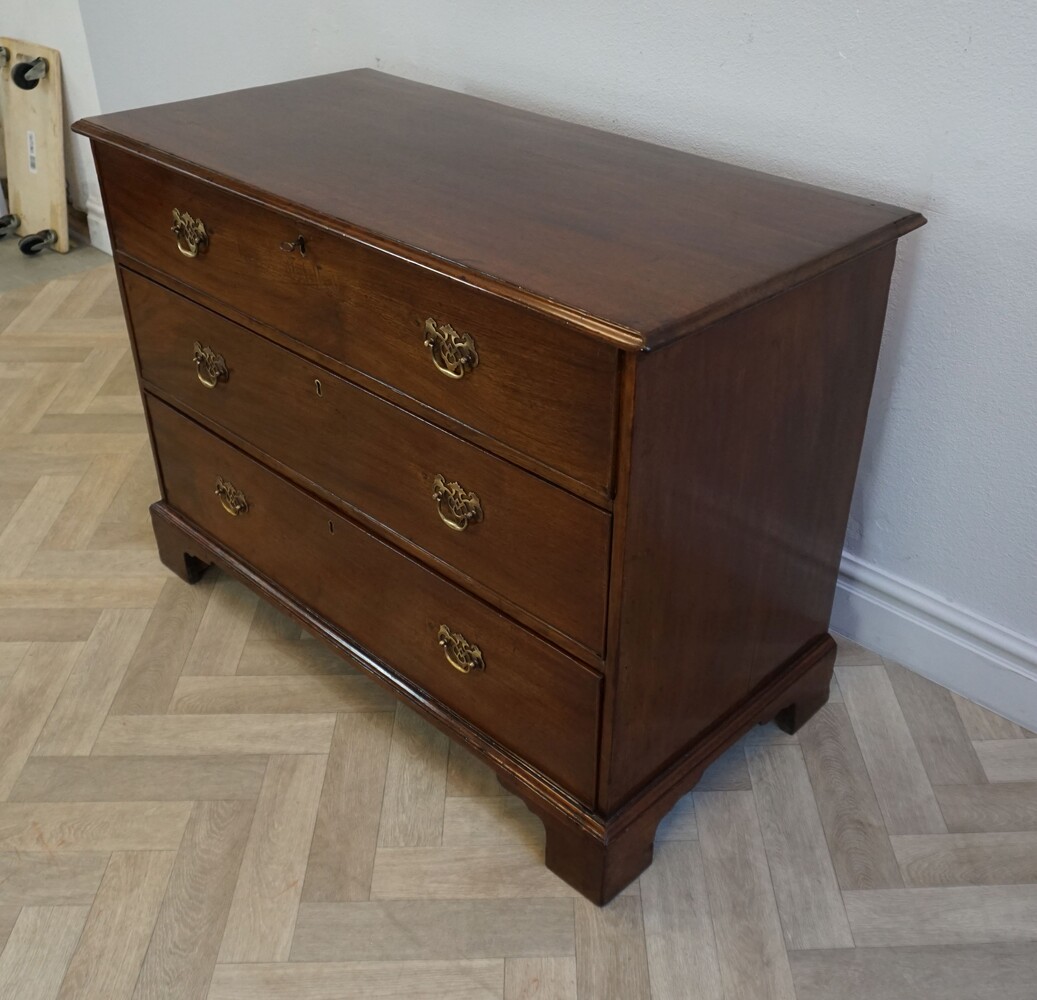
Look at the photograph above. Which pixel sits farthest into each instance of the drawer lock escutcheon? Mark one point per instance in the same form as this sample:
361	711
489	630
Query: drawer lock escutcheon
212	369
460	653
453	353
457	506
190	233
232	499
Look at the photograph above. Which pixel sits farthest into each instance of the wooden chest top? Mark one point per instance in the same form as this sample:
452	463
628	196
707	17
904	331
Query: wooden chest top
632	242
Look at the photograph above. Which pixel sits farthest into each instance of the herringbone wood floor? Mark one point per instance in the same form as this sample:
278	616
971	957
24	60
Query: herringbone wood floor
198	801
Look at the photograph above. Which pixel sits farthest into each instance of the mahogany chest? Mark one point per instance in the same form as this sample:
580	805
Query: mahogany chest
553	431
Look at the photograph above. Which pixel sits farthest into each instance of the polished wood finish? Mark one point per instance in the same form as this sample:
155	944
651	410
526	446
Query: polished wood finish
536	701
636	243
334	434
730	569
688	345
545	394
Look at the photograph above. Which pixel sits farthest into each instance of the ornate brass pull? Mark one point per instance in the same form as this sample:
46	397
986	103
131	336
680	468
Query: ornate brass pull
459	652
457	506
211	366
190	233
233	500
453	353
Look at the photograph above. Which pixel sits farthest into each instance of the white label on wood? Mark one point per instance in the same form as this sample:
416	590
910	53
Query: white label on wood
32	150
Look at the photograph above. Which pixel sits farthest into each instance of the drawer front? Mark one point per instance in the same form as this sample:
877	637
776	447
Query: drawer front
543	389
530	697
531	542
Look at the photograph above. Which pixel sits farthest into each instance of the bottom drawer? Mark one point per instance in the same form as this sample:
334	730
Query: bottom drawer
524	693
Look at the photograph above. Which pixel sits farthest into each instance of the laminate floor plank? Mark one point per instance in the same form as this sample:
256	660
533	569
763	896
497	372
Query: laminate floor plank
750	946
256	695
269	886
809	902
679	823
11	656
552	978
107	962
30	524
38	951
270	623
8	918
128	779
420	930
86	380
138	490
853	654
943	744
46	878
611	961
490	820
901	784
193	735
88	694
856	833
469	777
30	694
1008	760
461	980
92	826
287	657
151	676
19	625
728	773
83	563
345	836
484	872
223	630
78	594
967	858
85	507
678	926
952	915
982	724
182	951
1005	807
415	784
997	971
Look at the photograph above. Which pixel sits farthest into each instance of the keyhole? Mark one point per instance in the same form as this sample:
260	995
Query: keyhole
318	387
331	526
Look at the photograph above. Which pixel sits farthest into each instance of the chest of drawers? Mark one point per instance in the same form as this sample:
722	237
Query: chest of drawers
553	431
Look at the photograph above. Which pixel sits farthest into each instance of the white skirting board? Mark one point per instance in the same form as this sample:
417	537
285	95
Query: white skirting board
98	226
975	657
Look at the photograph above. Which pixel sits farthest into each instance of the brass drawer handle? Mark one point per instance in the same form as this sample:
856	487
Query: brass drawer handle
453	353
191	236
457	506
233	500
459	652
211	366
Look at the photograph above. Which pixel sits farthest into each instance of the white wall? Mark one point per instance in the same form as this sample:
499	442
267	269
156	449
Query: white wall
928	103
57	24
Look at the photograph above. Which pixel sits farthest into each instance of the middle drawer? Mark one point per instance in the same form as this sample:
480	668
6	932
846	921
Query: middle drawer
528	541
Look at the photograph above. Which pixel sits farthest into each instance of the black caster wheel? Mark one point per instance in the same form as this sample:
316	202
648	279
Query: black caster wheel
35	242
8	224
27	75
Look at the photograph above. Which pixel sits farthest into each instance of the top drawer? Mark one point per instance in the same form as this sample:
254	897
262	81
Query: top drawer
534	385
